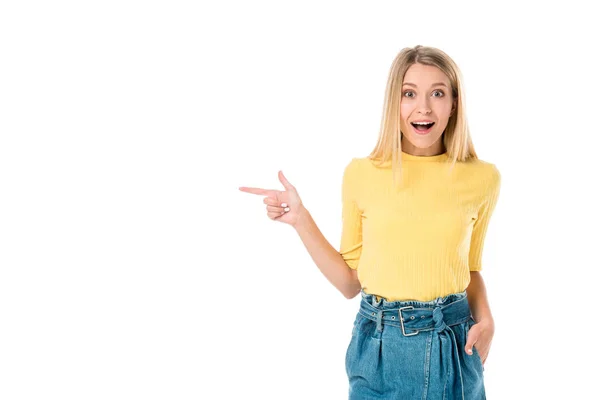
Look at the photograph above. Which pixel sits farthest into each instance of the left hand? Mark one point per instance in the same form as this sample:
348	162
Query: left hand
480	335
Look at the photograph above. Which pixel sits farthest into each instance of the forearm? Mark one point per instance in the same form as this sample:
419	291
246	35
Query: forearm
477	296
326	257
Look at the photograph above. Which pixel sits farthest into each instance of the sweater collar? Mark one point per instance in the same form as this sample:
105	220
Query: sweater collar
436	158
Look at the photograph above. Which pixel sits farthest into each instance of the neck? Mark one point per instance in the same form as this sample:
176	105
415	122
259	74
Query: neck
434	150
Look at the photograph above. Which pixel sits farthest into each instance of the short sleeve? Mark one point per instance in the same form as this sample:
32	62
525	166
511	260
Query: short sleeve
351	241
491	188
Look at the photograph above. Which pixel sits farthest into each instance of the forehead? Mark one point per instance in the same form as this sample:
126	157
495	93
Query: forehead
425	75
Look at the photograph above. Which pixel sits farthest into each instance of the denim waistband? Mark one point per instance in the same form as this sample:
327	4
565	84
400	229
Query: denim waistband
414	316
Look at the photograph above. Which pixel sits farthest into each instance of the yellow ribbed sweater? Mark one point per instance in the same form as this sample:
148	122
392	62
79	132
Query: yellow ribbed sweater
421	241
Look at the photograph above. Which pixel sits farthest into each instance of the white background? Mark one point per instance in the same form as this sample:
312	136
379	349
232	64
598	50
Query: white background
131	265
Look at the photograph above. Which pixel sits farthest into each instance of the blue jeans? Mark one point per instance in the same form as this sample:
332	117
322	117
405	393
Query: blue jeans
418	357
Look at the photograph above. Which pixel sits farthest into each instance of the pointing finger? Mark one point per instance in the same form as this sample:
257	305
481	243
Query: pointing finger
253	190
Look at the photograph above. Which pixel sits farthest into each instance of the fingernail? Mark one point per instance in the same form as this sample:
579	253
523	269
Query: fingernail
470	351
283	205
286	209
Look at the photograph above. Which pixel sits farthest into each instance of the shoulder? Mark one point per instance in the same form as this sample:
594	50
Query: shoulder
484	170
358	160
351	171
486	176
355	165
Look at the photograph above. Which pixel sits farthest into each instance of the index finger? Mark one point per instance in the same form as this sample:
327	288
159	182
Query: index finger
254	190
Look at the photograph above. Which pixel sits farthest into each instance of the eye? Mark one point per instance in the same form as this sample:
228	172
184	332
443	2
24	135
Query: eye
411	92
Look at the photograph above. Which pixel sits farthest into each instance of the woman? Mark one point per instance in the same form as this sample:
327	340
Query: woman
415	214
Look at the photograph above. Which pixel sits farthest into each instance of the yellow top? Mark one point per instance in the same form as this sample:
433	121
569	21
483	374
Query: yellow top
421	241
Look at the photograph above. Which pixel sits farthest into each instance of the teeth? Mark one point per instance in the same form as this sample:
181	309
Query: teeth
422	123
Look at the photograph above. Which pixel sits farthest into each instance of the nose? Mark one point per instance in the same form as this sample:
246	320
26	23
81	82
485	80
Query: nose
423	106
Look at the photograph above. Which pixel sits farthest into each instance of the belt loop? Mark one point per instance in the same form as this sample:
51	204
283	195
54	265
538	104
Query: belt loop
379	322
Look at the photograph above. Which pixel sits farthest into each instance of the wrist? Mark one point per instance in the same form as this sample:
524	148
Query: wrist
303	218
487	323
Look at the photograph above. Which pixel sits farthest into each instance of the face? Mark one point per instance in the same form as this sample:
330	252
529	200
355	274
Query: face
426	96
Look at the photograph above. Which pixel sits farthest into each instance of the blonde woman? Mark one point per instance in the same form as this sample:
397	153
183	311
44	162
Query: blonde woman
415	214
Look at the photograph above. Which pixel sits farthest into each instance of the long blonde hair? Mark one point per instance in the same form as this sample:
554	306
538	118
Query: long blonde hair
456	136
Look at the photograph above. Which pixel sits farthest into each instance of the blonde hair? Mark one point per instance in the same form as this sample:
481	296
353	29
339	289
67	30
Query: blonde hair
456	136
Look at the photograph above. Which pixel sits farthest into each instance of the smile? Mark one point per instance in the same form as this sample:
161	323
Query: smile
421	128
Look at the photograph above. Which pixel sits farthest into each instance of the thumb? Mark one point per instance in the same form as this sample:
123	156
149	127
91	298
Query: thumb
471	340
285	182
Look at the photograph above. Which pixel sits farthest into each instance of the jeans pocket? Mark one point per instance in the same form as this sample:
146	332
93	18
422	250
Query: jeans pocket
356	325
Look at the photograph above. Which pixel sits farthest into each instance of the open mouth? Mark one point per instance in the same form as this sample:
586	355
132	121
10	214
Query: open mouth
422	128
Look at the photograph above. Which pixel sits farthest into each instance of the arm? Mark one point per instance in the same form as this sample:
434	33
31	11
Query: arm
476	291
477	297
326	257
481	334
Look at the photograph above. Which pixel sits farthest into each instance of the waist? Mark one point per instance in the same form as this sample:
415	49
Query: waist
413	317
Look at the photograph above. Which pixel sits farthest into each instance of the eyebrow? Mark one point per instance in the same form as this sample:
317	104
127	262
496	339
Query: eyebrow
435	84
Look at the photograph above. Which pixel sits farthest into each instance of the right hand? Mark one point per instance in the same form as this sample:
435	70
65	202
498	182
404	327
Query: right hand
275	199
